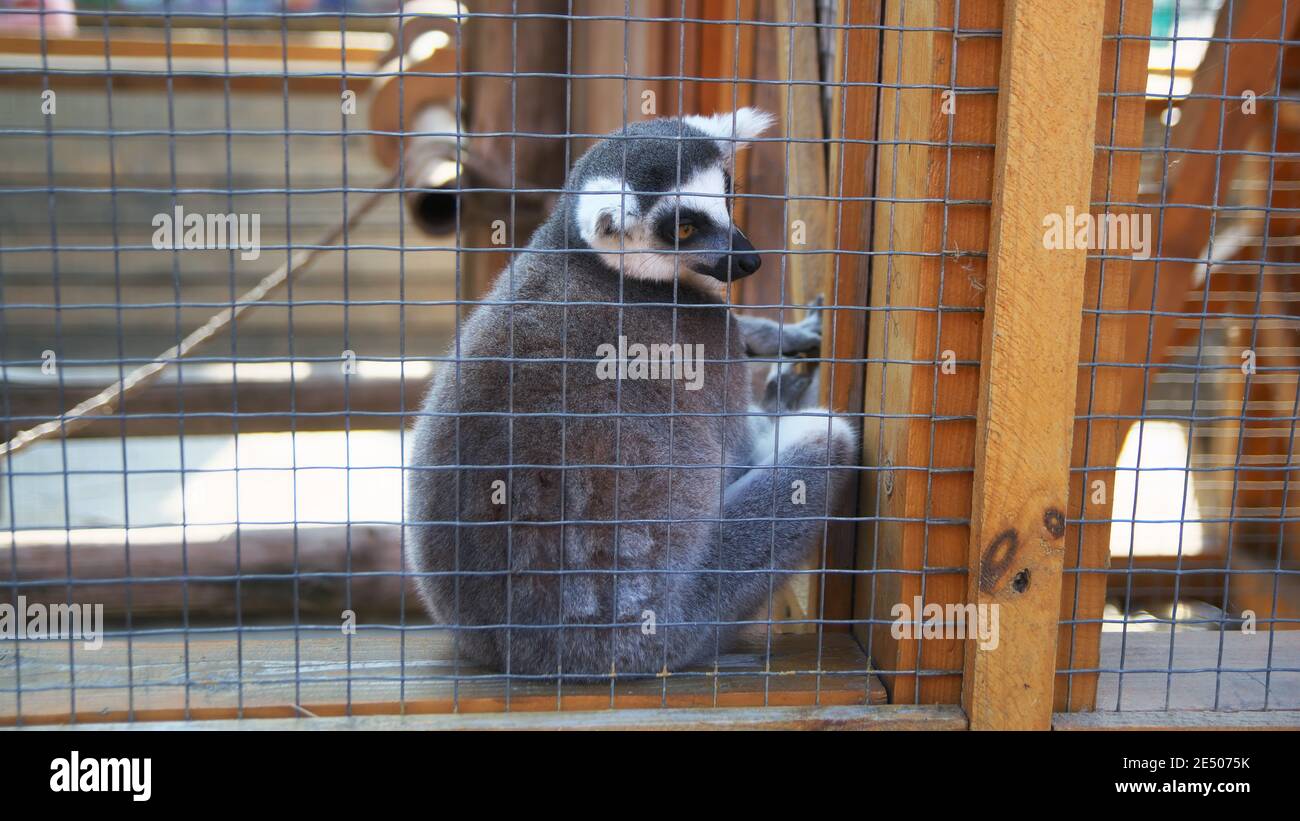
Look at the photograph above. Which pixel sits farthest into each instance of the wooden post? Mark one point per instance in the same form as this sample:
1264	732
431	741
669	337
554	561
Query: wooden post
1032	317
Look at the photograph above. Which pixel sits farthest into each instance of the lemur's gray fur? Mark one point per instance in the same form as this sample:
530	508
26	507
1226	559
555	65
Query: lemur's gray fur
532	597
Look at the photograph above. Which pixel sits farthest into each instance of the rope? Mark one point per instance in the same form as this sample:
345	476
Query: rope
105	401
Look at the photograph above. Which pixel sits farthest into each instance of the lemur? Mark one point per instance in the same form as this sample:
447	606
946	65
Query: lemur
565	524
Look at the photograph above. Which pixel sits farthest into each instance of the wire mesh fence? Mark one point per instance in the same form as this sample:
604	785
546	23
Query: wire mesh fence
1191	581
414	270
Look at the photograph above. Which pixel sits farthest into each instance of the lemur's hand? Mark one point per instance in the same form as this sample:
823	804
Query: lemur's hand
806	335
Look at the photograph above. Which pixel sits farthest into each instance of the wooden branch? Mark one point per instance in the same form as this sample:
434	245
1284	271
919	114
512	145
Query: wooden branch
1030	353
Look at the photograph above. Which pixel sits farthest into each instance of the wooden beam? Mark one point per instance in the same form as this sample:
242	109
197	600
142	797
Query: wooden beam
1097	442
362	51
1030	353
320	401
140	576
790	178
851	169
146	60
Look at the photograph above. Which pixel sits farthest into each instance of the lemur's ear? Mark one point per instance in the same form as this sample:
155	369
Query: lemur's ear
733	130
604	209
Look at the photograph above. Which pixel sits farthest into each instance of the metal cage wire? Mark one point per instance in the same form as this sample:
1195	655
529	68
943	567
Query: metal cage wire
80	282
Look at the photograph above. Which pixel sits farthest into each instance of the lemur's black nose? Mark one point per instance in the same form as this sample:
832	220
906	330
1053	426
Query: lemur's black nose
742	254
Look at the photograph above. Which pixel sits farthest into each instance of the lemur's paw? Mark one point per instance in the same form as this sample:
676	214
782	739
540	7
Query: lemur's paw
804	336
787	383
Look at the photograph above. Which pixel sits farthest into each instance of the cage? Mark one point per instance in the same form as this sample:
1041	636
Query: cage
1051	247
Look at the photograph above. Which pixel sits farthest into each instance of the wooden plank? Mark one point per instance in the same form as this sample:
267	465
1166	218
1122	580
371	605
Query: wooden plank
362	50
801	115
1203	577
852	172
1136	665
873	717
851	167
1099	390
1181	720
720	51
1029	361
930	237
320	401
384	673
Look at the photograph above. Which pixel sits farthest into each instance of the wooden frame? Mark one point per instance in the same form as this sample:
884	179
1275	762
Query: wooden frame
940	257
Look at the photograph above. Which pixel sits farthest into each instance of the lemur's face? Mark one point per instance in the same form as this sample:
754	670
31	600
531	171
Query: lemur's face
655	201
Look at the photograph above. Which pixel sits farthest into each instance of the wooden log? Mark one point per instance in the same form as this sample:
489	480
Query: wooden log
216	573
1029	361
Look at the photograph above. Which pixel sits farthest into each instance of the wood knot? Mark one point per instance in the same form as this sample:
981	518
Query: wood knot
997	558
1021	581
1054	521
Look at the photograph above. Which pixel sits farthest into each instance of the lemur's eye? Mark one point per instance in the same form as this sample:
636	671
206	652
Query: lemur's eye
685	230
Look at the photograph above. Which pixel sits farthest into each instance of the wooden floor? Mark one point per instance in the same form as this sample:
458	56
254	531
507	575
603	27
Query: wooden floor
276	679
1247	658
